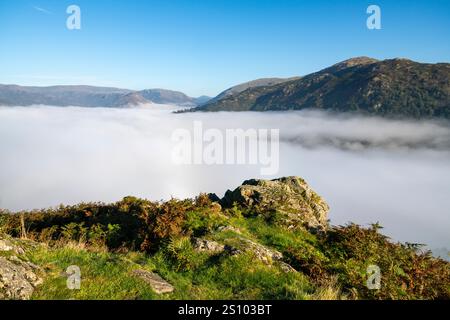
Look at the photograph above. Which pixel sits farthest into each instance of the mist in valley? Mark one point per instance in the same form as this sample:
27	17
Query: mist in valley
368	169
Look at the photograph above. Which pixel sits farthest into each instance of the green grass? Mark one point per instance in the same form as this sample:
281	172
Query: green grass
108	242
103	275
108	276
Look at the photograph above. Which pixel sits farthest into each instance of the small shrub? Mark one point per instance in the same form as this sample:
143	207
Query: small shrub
164	221
235	211
74	232
49	234
181	252
3	221
203	221
349	250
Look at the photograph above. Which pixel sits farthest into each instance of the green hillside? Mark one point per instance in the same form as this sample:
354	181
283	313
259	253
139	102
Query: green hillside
264	240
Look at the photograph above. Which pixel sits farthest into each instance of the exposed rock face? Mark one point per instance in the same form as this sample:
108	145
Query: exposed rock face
158	284
5	245
9	245
208	245
229	228
18	278
262	253
213	246
290	197
286	267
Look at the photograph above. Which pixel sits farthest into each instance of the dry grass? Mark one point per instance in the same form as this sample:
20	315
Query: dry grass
330	290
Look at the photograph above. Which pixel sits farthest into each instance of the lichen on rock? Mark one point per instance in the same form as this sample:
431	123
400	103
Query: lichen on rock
158	284
262	253
18	277
208	245
290	198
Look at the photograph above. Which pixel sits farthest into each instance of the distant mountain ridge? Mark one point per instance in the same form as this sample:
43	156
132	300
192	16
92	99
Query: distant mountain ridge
167	96
390	88
90	96
395	87
251	84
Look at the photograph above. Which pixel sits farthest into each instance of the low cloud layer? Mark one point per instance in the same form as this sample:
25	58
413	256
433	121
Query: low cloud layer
368	170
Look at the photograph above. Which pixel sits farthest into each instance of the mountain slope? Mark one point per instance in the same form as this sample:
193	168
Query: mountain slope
396	87
201	100
86	96
171	97
251	84
89	96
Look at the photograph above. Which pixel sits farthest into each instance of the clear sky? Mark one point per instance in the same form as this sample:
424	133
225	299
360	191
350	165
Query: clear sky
205	46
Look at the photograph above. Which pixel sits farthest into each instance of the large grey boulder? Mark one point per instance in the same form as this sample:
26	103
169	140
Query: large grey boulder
291	198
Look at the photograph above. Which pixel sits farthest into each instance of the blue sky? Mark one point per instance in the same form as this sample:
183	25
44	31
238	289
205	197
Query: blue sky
204	46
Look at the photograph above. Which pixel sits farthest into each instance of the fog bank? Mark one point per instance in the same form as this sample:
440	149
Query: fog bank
368	170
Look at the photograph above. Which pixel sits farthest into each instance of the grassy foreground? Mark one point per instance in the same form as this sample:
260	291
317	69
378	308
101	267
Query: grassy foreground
109	241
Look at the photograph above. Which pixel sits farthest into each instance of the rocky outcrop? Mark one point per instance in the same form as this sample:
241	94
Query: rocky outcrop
158	284
291	198
18	277
262	253
207	245
5	245
204	245
10	245
229	228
